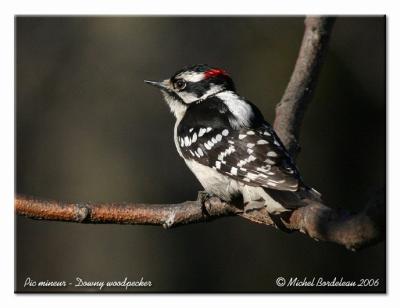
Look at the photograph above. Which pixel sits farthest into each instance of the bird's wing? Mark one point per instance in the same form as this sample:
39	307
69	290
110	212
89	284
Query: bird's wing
255	157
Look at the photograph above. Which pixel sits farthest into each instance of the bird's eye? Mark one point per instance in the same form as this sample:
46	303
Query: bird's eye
180	84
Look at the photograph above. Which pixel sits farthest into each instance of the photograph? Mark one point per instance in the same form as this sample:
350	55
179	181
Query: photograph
200	154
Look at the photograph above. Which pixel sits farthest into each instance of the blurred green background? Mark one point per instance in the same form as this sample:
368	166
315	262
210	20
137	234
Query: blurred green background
88	129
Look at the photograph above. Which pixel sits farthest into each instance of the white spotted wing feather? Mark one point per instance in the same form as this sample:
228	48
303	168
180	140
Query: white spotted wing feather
255	157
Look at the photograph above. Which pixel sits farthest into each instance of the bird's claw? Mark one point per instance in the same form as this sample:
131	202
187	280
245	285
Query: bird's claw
203	196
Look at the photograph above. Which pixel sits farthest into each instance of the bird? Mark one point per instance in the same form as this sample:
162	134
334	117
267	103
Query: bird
228	145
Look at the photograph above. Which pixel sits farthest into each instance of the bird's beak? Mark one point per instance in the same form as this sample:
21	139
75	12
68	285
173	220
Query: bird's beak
163	85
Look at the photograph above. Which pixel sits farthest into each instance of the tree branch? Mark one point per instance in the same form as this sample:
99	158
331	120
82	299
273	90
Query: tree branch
317	220
167	215
290	110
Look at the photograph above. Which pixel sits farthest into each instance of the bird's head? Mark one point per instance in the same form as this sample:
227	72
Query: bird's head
193	84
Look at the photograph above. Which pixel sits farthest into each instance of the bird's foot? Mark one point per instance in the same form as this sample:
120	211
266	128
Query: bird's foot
203	196
213	205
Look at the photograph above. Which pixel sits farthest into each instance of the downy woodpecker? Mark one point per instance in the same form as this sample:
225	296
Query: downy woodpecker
225	141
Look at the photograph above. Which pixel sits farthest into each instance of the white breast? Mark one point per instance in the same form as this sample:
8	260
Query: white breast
226	188
176	141
215	182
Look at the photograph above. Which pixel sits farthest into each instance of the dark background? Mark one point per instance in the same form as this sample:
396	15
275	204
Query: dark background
88	129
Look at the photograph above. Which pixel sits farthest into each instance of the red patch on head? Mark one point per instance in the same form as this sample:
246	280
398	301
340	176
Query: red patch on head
214	72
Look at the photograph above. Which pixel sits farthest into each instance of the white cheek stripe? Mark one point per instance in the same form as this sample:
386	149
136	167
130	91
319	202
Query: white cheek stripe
176	107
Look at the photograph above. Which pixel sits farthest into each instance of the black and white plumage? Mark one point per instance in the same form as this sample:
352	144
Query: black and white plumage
228	145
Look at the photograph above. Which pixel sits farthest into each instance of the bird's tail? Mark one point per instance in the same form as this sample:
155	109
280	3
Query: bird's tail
311	194
295	199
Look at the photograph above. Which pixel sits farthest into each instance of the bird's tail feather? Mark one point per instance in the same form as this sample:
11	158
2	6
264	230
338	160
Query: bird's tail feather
292	200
